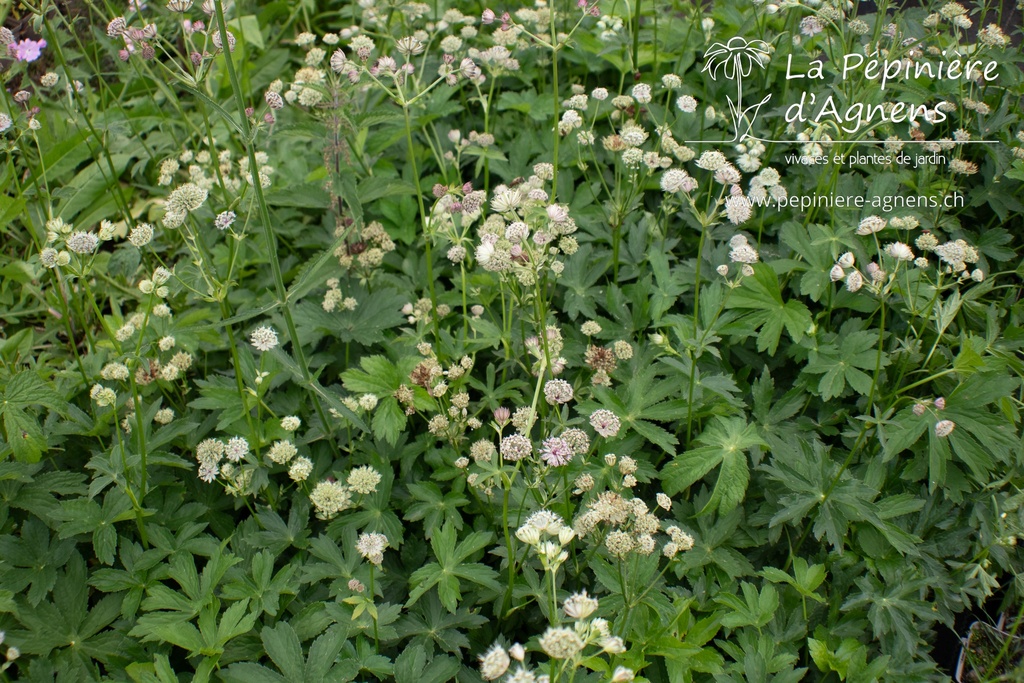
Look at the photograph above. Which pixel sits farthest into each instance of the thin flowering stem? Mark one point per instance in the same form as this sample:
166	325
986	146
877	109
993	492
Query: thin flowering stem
424	222
113	179
553	616
555	104
373	612
268	231
696	324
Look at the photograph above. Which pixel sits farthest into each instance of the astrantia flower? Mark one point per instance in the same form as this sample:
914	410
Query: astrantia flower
900	251
521	675
556	452
236	448
605	423
737	209
83	242
116	27
494	663
642	93
515	447
224	220
711	160
686	104
677	180
115	371
557	391
329	498
870	225
300	469
623	674
281	452
484	253
579	605
364	479
854	281
837	273
561	643
264	338
619	543
810	26
944	428
290	423
744	253
372	547
103	396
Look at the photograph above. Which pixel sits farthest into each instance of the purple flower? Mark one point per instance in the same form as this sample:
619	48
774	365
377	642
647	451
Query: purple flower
557	452
27	50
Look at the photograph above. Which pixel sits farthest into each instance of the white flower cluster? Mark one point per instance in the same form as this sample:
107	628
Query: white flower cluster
62	240
562	643
525	234
548	535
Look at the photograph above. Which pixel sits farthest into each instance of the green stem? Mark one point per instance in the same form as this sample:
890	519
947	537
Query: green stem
554	99
424	219
696	324
268	230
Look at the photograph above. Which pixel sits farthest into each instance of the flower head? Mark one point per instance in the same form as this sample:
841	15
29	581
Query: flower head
494	662
561	643
556	452
605	423
364	479
371	546
264	338
579	605
558	391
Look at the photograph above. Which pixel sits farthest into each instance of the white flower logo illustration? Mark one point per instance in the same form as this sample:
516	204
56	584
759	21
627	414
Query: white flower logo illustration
736	60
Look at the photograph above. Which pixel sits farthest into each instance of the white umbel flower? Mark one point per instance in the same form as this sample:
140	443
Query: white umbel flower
494	663
264	338
900	251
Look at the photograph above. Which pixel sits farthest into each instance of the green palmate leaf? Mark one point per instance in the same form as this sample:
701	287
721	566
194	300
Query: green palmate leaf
377	311
754	609
849	660
806	578
452	566
581	274
262	587
429	622
725	442
641	401
379	376
86	516
845	364
70	621
435	508
284	649
33	560
413	666
314	386
21	429
762	295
